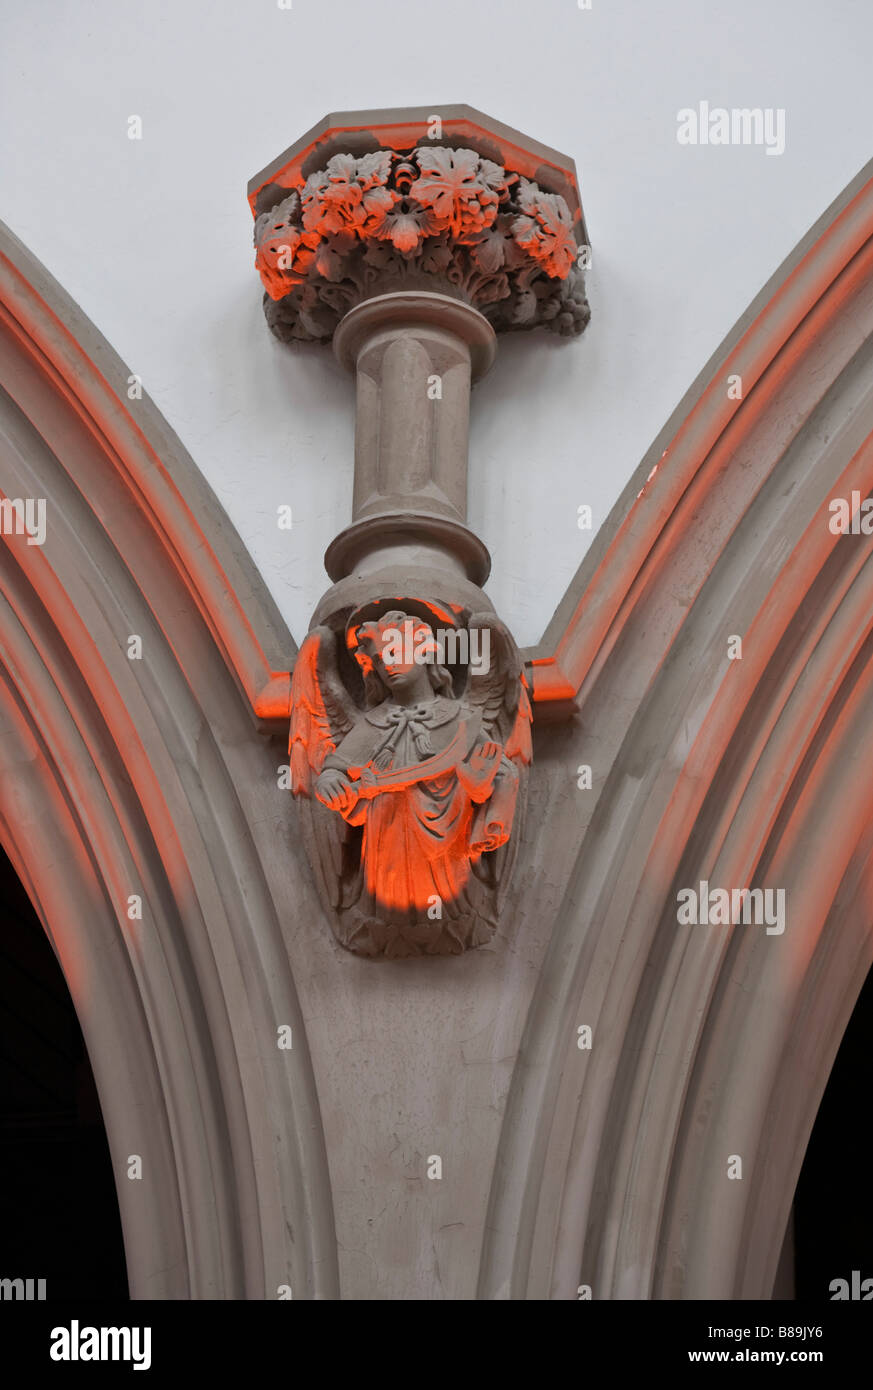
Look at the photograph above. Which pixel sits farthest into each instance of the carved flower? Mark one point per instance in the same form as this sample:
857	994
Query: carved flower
349	195
461	189
284	249
546	231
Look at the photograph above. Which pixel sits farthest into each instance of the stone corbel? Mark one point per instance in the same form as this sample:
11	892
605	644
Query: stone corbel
409	240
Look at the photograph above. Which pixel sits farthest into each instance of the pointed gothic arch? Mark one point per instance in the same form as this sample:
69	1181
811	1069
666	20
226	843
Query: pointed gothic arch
125	779
612	1170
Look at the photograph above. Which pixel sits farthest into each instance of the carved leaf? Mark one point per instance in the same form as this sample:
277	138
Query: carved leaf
437	255
331	258
284	251
459	187
546	230
488	252
373	169
348	194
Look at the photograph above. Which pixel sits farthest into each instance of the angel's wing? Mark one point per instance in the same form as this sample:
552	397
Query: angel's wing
499	690
322	713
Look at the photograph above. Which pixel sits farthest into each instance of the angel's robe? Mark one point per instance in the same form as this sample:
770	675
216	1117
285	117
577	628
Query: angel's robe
417	837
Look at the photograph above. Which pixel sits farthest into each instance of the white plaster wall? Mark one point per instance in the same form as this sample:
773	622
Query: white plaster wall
153	237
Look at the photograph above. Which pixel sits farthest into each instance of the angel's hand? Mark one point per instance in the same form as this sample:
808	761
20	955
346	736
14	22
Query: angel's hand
335	791
484	760
478	772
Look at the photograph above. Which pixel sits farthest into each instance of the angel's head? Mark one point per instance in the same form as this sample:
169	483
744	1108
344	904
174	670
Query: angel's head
399	656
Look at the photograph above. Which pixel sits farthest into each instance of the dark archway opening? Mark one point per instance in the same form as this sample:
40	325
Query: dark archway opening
833	1205
59	1217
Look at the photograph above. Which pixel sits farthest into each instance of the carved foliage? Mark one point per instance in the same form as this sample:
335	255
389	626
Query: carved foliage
497	239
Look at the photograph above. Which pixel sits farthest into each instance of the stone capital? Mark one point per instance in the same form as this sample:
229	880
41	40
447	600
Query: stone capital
448	202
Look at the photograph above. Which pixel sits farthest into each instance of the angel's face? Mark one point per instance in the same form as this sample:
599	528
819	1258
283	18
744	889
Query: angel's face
402	676
399	655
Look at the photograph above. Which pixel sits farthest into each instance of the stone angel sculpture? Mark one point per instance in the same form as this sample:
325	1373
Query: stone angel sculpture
410	806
